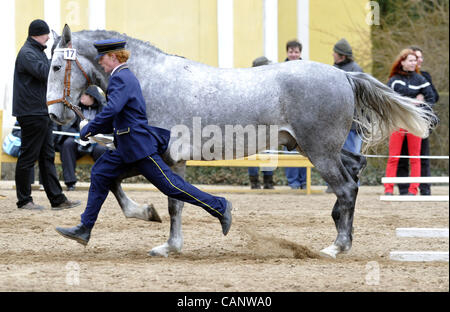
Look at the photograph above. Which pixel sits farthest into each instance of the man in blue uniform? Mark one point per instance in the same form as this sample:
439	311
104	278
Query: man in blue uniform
137	144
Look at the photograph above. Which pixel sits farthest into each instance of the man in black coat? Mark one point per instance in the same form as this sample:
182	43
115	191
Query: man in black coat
30	108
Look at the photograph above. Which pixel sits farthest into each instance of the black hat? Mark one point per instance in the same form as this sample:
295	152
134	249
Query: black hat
342	47
109	45
262	60
38	27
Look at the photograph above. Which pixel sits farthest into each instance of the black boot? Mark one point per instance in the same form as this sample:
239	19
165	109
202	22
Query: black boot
268	182
80	233
254	182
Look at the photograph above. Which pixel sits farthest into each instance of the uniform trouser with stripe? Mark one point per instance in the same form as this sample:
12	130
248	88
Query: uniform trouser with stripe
110	166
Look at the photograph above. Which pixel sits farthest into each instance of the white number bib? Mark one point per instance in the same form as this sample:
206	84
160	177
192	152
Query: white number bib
69	54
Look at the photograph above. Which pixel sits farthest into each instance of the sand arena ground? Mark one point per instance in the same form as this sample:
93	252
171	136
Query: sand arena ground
272	246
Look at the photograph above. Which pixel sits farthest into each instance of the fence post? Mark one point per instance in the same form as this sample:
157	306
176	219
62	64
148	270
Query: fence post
308	180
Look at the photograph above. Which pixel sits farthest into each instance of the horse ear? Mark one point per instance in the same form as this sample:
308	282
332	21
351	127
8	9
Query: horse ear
55	35
66	36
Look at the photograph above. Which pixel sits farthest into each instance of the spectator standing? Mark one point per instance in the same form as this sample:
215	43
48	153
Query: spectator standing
343	59
253	172
30	107
405	80
403	164
296	177
71	149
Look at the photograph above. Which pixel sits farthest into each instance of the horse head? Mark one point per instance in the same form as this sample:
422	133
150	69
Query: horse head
72	70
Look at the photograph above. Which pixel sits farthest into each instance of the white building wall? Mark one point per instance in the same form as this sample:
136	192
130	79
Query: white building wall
52	15
7	60
97	14
271	30
225	29
303	26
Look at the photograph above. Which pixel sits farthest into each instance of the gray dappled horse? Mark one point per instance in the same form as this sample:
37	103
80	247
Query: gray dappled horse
311	103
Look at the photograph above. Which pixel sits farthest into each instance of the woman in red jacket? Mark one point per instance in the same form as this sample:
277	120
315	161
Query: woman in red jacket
405	80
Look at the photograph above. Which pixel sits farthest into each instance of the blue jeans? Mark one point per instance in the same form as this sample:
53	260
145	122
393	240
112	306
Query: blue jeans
353	142
254	171
296	177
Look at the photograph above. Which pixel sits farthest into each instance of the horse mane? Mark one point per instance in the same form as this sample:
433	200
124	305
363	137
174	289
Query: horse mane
83	41
105	34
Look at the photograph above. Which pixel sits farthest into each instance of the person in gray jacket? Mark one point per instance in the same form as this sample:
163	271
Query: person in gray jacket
343	59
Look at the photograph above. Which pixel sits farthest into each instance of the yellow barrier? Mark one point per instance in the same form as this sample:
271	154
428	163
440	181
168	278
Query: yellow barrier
258	160
262	160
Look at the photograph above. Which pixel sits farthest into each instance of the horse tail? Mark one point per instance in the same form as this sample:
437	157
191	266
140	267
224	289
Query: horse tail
381	111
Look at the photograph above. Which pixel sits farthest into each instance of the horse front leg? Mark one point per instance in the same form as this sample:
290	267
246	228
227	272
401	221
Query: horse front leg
129	207
175	241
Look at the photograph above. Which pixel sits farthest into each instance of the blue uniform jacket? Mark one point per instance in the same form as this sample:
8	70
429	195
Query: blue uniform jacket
125	115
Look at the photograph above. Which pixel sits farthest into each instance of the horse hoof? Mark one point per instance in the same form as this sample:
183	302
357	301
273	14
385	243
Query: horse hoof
153	214
330	251
161	251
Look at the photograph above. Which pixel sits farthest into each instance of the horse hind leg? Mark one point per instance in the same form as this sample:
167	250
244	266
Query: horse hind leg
354	164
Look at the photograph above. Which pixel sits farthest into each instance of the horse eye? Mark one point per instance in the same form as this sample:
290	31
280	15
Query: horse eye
56	68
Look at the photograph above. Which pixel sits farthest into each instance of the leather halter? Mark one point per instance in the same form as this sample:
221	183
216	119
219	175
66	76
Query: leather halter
66	91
